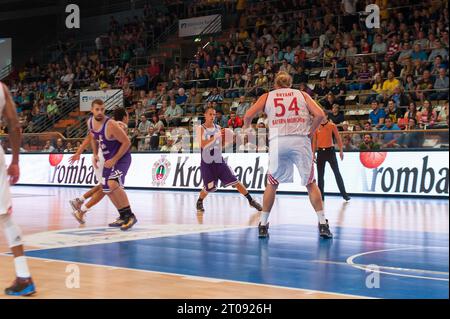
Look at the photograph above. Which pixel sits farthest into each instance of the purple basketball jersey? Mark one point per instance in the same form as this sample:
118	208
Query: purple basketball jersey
213	166
110	149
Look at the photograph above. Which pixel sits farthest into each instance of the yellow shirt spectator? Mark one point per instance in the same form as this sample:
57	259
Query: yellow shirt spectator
390	84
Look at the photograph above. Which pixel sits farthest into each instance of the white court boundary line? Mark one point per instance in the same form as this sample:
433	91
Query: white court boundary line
350	261
200	278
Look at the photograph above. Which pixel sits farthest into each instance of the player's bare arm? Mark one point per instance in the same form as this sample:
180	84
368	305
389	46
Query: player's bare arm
117	132
254	110
76	157
316	111
15	136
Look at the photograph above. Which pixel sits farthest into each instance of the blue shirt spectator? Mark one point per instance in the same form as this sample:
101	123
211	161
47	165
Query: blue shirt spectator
376	117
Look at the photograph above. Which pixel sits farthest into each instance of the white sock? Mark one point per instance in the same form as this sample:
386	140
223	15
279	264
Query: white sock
84	209
81	198
321	216
22	270
264	218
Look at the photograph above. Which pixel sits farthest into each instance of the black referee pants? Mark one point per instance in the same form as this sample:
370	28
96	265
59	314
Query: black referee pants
325	155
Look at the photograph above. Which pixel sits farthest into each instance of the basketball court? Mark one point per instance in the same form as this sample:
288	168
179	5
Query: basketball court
382	247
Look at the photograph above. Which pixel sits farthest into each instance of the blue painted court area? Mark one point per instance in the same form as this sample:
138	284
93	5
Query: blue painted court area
410	264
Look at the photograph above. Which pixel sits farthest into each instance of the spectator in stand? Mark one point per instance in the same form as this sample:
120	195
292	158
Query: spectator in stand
234	121
412	112
377	115
428	115
400	99
405	53
437	65
441	86
242	107
376	90
411	139
368	144
336	116
322	90
157	124
48	147
154	72
389	84
348	143
393	112
139	110
328	102
424	86
393	48
69	148
339	90
221	119
214	96
142	130
418	54
379	47
52	110
173	114
389	140
181	97
141	82
438	50
193	101
226	84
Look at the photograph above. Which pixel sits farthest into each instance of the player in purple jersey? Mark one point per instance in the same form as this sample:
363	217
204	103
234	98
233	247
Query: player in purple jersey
115	145
213	167
95	194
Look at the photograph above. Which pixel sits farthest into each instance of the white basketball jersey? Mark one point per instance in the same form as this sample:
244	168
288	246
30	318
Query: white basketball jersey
287	113
2	100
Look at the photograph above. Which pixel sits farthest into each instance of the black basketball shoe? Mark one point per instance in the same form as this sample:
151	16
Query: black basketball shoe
129	222
200	208
324	230
263	231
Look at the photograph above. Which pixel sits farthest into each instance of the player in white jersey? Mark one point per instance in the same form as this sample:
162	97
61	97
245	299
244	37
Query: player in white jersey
23	285
293	119
96	193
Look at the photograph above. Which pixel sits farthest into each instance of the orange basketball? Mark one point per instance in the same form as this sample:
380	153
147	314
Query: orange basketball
55	159
372	159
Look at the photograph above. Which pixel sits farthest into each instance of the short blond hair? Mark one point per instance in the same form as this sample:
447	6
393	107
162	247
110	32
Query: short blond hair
283	80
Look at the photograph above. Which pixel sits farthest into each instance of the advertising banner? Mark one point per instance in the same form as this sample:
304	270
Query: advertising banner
87	97
377	173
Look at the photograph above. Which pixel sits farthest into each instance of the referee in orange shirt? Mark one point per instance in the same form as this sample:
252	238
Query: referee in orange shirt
323	144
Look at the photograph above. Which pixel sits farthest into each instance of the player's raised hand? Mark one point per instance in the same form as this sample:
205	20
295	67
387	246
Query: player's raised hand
74	158
13	173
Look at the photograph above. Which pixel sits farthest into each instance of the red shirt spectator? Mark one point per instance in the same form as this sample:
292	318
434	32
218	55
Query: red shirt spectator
235	121
153	68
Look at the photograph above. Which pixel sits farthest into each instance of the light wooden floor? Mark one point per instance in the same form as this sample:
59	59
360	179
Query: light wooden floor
44	209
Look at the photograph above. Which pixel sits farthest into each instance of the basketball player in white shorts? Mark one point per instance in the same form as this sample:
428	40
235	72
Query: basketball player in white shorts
23	285
96	193
293	119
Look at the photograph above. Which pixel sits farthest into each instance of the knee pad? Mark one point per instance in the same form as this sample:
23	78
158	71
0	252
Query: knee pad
12	232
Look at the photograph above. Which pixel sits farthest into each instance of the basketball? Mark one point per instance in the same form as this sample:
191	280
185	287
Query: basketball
372	159
55	159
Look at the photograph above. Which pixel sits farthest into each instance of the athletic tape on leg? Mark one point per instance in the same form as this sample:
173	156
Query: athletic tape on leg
12	232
